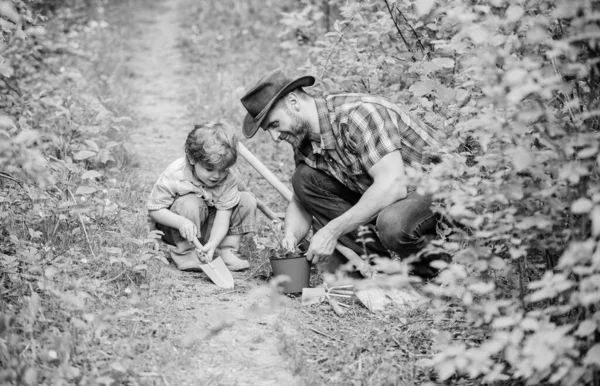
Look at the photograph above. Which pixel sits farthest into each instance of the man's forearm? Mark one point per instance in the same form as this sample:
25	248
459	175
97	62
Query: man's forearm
297	220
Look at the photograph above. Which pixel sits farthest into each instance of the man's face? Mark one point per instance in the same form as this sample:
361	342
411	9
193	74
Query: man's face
287	125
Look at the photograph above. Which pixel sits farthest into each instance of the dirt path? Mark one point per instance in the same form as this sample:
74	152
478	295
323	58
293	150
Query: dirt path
198	334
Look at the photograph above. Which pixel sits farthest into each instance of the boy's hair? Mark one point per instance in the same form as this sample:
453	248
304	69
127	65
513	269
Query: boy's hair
212	144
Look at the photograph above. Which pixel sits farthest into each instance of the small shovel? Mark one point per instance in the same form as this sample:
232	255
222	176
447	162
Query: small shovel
216	270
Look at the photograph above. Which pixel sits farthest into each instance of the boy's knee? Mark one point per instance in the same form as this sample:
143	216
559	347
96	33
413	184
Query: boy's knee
247	202
189	206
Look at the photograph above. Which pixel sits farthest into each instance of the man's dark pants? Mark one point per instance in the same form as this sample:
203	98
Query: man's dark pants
404	227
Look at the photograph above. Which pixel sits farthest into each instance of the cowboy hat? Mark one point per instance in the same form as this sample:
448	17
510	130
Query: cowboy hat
261	98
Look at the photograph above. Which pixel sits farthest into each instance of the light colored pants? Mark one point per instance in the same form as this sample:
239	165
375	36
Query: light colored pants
192	207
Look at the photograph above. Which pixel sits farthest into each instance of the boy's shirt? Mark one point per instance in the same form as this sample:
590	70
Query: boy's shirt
178	179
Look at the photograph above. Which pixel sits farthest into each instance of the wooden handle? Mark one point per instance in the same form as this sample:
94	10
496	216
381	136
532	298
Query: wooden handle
288	195
267	211
266	173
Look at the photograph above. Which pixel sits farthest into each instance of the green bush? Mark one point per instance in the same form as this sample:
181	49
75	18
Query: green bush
513	86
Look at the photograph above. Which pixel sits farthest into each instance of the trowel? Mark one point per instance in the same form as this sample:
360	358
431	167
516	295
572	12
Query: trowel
216	270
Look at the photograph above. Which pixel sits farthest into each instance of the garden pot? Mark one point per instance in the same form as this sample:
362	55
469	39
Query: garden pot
297	269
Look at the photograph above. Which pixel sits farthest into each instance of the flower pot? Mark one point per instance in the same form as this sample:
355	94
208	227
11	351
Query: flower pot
297	269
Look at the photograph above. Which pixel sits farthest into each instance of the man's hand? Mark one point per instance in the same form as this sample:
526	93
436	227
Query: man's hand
187	229
322	244
289	243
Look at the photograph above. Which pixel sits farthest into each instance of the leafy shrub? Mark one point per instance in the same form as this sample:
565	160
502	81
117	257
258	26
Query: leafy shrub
64	198
513	86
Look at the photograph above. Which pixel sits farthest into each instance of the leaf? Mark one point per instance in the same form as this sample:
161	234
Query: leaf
521	158
26	137
50	272
115	250
34	304
424	7
6	69
444	62
91	174
461	94
30	377
515	76
85	190
445	370
91	145
582	205
6	122
514	13
422	88
118	367
482	288
140	267
586	328
73	299
104	156
593	356
595	217
84	154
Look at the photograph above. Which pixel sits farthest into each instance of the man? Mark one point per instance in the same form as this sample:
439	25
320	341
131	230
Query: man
351	151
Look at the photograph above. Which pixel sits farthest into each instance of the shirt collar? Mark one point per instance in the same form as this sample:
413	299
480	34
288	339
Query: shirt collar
189	175
327	139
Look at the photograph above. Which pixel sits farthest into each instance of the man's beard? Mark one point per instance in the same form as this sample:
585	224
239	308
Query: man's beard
299	132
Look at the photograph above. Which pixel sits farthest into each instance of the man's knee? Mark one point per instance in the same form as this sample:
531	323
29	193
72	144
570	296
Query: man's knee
393	232
189	206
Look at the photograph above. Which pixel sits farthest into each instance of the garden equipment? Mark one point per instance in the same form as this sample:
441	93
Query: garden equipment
296	268
373	298
319	294
216	270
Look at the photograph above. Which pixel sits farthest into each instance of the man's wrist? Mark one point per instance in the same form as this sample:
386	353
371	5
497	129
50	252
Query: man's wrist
335	228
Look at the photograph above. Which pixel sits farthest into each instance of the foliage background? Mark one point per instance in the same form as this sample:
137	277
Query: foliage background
511	84
513	87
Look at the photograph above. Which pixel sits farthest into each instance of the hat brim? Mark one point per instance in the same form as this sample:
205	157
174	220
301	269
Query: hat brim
251	125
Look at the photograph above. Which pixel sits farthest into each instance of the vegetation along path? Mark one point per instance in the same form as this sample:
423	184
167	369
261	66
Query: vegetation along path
96	98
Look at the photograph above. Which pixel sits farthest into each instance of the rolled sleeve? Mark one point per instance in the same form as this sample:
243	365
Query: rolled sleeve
374	133
162	194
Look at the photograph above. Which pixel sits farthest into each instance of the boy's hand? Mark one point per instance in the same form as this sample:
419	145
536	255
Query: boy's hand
208	250
187	229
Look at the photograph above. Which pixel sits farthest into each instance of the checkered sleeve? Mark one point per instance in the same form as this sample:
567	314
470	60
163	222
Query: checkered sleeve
162	194
374	133
230	195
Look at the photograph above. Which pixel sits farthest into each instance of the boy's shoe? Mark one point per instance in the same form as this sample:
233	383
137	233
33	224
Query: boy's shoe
186	261
232	261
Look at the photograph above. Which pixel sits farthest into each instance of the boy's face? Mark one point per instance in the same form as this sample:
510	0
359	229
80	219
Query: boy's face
208	175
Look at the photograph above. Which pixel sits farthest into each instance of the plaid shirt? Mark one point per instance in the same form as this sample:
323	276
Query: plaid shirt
357	130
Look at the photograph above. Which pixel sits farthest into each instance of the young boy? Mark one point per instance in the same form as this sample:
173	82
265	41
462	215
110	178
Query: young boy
197	198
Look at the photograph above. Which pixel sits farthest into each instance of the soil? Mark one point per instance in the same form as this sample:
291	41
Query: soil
203	334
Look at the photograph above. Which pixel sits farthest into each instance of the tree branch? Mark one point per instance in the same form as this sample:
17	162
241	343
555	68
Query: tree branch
390	11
